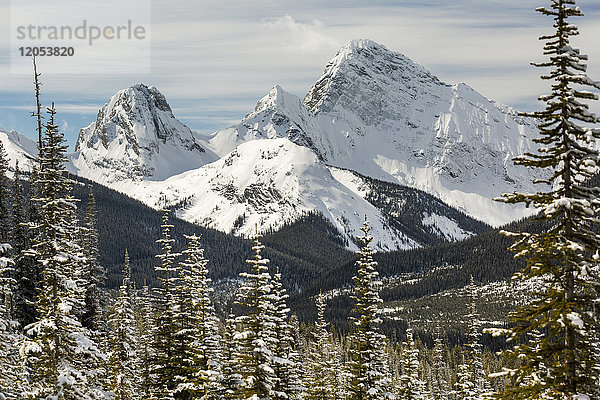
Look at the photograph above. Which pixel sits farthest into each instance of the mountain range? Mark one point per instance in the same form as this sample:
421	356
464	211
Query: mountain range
377	135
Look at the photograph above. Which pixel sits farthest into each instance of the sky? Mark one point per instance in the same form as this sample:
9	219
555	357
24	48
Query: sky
213	60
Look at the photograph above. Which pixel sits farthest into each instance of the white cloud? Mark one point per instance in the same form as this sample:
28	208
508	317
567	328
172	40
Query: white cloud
290	34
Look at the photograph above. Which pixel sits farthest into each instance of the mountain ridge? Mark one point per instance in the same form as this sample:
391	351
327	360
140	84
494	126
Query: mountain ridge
373	111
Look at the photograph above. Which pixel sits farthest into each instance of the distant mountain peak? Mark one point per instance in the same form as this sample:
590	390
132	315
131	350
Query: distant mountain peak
356	45
373	111
363	66
377	112
136	106
277	97
137	135
18	148
152	95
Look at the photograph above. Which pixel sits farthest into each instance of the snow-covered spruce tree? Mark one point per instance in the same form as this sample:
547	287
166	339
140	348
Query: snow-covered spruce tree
287	384
410	386
320	368
7	287
368	370
197	338
165	369
143	337
9	355
230	380
257	336
7	277
440	383
5	195
62	354
464	385
122	343
471	373
26	268
297	357
94	272
341	357
127	271
560	256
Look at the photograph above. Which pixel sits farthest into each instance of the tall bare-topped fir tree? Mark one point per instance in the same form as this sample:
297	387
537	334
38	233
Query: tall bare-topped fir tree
59	349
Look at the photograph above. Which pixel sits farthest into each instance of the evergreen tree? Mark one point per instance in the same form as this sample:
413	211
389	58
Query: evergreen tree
471	375
144	339
164	367
369	376
5	195
94	272
440	383
197	338
60	349
285	367
122	343
9	364
127	271
230	381
474	346
297	357
321	369
257	336
560	256
411	387
464	386
26	268
6	296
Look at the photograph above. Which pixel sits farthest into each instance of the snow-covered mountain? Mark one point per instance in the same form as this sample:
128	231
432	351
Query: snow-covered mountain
18	148
233	184
373	122
136	136
265	183
378	113
277	115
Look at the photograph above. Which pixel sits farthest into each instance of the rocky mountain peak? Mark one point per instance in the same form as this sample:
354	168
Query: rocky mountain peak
276	98
148	96
361	74
135	114
137	134
377	112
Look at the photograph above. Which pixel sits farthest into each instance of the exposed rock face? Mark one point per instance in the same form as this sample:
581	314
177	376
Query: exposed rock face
136	136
